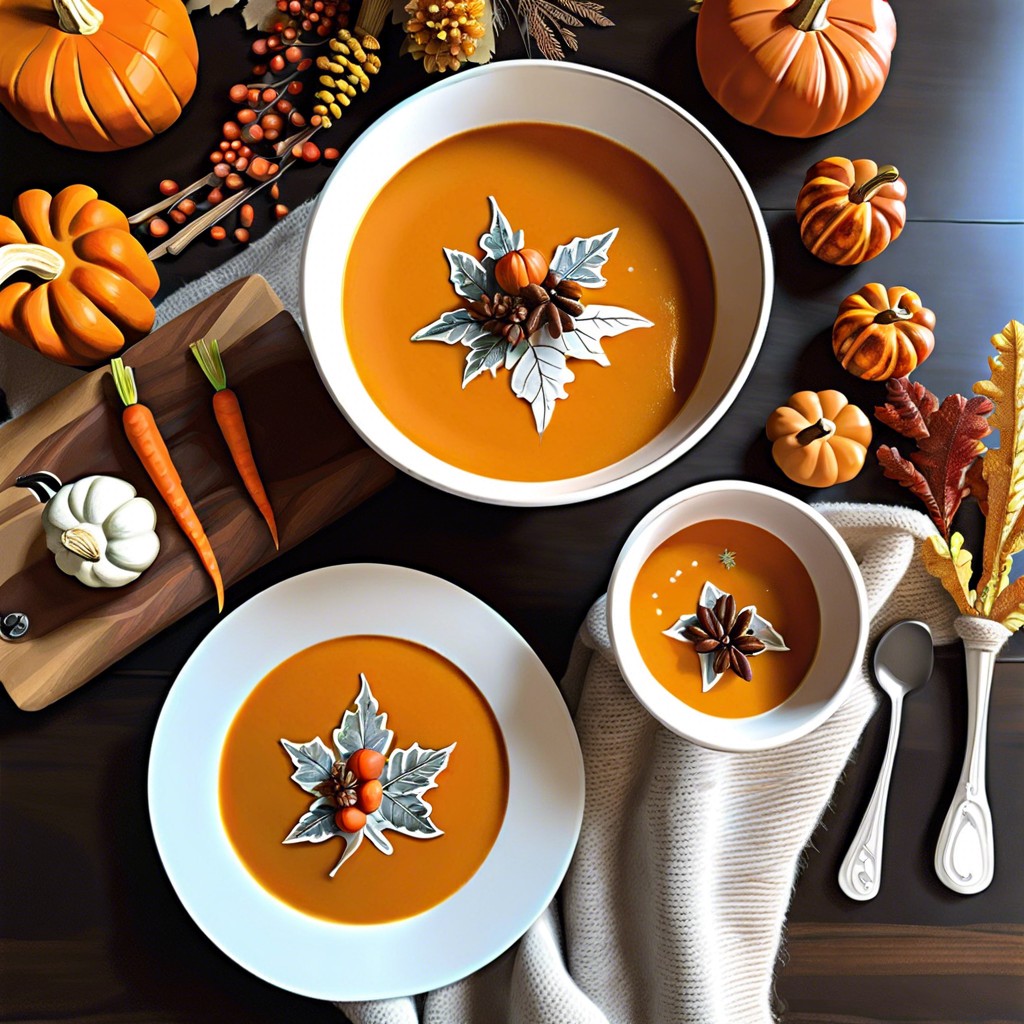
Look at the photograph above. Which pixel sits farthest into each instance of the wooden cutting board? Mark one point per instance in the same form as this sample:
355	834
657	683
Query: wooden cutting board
313	464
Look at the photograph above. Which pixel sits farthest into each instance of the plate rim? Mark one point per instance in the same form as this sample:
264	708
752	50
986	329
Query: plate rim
532	494
542	898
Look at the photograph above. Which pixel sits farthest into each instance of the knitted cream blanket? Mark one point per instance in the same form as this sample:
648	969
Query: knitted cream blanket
673	907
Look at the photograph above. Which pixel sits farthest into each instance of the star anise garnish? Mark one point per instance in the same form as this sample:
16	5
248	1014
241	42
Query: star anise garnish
501	314
340	788
555	302
725	634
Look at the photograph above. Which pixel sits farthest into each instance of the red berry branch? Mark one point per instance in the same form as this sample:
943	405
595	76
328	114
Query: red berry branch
267	132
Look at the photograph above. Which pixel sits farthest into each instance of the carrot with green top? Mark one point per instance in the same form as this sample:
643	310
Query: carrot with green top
229	418
145	438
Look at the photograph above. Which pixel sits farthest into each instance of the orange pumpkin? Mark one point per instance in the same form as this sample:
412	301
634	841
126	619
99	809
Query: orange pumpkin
797	69
97	280
819	439
883	332
850	210
516	269
96	78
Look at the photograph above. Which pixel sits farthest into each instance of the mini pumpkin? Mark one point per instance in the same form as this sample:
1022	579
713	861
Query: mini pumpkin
98	76
797	69
97	280
883	332
519	268
850	210
819	438
98	529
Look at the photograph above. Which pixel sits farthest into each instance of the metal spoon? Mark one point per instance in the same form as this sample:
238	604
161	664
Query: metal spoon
903	662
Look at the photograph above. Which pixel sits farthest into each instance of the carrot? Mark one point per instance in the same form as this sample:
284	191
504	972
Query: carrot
229	418
144	437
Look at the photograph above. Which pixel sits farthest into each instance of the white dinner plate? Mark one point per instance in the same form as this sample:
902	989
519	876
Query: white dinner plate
482	919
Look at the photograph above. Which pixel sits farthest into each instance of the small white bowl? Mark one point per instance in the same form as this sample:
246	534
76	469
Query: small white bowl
668	138
841	599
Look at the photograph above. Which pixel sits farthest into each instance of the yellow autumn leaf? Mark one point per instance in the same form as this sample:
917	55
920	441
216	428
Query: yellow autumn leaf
1003	467
951	566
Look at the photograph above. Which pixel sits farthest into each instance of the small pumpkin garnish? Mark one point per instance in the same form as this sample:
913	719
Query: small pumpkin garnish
850	210
519	268
819	438
882	332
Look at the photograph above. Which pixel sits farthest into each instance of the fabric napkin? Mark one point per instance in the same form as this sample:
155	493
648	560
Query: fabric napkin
673	907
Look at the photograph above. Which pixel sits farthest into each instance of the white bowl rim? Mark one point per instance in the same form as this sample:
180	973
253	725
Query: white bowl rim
530	897
620	631
528	494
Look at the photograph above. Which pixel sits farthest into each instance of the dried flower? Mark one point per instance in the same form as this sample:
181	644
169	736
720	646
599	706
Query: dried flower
340	788
444	33
726	635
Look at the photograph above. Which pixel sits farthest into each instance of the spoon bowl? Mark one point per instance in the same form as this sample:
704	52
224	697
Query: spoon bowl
904	658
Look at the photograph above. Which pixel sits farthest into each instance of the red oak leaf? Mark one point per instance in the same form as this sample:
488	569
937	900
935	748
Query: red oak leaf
908	407
906	474
951	443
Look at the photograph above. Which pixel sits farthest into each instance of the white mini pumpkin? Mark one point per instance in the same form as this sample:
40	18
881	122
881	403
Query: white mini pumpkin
99	530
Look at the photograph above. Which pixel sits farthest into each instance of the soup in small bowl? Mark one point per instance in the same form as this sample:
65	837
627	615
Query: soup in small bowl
738	616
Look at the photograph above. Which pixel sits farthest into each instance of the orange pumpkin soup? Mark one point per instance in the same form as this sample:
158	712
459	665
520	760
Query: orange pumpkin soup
555	183
766	574
428	701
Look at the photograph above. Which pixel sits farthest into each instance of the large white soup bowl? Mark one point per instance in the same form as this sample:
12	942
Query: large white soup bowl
697	166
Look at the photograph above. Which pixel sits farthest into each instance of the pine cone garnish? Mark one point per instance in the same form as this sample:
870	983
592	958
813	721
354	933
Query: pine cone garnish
501	314
555	303
724	633
340	788
444	33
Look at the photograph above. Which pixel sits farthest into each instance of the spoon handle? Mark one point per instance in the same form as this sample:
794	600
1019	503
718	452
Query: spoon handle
860	874
965	855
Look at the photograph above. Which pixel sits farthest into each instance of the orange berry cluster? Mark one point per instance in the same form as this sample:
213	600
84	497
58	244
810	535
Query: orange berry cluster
366	765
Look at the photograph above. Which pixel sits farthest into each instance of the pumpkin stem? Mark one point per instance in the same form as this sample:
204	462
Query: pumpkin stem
809	15
32	257
78	17
82	543
890	316
816	431
885	176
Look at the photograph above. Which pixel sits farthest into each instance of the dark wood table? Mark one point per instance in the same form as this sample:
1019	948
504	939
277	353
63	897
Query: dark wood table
90	928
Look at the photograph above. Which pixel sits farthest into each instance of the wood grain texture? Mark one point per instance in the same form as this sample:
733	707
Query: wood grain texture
313	465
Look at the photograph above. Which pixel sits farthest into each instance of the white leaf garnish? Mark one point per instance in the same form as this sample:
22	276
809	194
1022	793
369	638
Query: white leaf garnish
316	825
455	326
594	323
313	762
407	775
499	238
540	377
363	727
485	353
581	260
467	274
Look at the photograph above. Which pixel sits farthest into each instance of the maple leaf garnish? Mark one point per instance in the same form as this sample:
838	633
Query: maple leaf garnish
950	443
908	407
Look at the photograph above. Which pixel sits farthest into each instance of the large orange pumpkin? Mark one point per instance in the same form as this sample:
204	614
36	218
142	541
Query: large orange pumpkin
96	77
883	332
797	69
97	280
850	210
